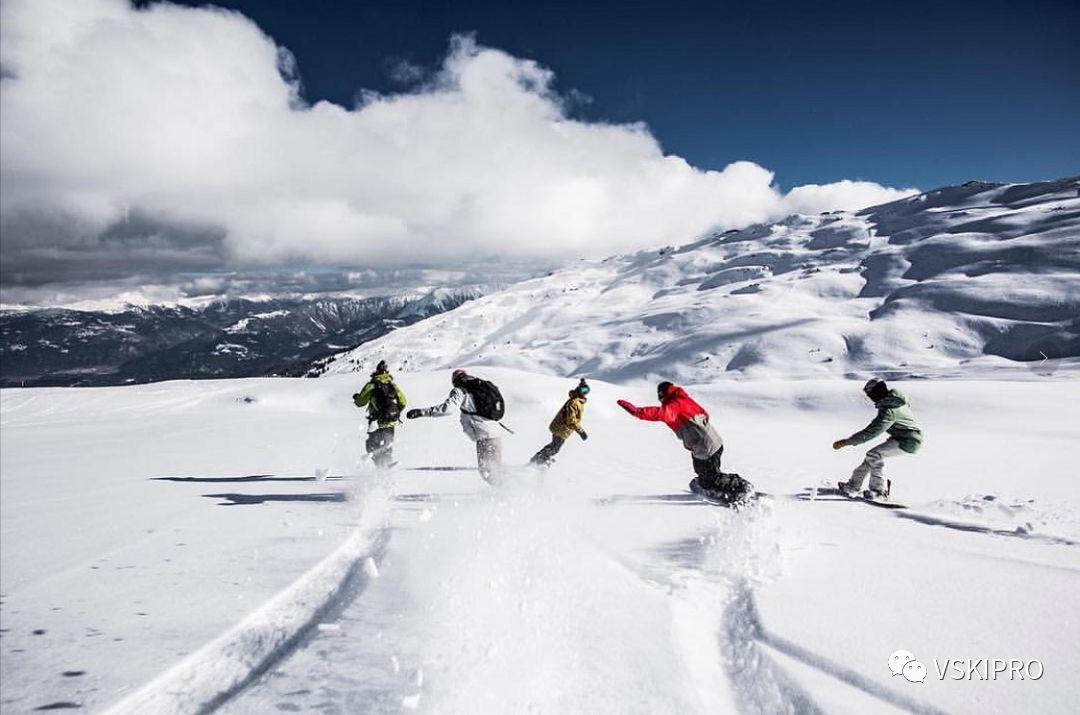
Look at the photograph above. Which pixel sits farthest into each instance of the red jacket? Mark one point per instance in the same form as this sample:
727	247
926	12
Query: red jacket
675	409
686	418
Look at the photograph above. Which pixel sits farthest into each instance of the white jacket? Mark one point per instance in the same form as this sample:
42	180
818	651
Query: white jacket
475	426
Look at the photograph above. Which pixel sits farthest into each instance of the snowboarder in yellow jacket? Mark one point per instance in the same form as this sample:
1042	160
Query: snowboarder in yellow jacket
566	423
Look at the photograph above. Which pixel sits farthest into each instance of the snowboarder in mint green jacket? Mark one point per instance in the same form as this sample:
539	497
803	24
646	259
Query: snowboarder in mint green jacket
895	418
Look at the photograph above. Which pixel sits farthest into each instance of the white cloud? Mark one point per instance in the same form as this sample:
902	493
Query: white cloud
190	116
846	194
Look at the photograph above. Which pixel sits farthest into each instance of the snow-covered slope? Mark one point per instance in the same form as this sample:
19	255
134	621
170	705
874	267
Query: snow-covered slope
601	587
980	276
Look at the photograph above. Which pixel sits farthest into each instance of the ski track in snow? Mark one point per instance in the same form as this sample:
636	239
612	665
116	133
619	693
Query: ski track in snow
503	623
505	641
602	586
217	672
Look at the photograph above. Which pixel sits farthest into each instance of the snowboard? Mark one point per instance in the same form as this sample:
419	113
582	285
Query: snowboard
695	488
813	492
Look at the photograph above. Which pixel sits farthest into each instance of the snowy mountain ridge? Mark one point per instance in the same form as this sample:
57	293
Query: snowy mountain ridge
230	337
980	274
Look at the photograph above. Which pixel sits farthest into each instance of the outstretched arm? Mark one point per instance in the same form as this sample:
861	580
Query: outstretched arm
454	399
649	414
879	424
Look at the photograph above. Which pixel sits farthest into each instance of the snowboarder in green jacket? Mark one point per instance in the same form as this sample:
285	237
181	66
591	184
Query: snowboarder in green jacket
565	424
894	417
384	401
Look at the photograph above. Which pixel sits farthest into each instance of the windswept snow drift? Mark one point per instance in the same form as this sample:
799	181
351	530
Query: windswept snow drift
979	276
601	586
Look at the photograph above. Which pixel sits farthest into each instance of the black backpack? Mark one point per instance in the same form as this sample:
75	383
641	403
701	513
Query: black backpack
487	398
385	400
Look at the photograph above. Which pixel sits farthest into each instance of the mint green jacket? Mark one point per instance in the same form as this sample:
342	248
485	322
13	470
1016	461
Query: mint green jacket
895	417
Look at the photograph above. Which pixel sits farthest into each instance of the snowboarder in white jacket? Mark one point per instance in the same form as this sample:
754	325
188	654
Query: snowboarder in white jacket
481	429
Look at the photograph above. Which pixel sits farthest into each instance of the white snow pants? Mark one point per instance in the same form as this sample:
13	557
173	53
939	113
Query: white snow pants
489	459
874	465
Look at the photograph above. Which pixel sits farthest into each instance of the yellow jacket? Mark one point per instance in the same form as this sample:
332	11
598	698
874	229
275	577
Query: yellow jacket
569	418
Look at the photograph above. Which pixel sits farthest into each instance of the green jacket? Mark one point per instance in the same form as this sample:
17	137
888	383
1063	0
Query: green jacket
363	398
569	418
895	417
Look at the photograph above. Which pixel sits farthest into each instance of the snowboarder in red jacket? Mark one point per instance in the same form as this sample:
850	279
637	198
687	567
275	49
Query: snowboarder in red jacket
690	423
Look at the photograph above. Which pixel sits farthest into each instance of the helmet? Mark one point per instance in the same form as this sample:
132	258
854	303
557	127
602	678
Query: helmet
457	376
875	388
662	388
382	367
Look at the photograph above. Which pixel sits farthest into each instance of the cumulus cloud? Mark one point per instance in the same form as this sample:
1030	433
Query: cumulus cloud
847	195
191	120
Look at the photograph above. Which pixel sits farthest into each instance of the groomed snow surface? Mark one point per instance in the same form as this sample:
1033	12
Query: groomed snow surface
185	546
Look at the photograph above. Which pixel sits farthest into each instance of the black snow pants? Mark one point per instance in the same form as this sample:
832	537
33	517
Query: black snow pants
548	451
380	445
731	487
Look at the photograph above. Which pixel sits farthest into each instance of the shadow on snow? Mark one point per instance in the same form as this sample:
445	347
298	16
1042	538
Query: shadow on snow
650	499
222	480
238	499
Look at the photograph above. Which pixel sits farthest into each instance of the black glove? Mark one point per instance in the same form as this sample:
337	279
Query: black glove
583	435
413	414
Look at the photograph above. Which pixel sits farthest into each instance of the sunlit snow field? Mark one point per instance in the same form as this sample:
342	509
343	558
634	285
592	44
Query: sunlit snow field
600	586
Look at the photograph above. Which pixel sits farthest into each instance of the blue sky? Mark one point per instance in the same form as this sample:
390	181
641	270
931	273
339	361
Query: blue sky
912	94
154	142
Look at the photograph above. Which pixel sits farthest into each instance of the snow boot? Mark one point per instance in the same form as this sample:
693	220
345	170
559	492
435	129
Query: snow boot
847	491
729	489
875	495
747	493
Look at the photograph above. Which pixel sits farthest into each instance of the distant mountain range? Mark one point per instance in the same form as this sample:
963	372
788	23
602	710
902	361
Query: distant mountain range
963	280
223	339
953	282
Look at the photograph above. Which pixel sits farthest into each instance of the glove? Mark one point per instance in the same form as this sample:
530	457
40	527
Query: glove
583	435
839	444
627	406
414	413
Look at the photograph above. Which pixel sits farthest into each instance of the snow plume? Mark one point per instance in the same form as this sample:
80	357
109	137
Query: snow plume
178	138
